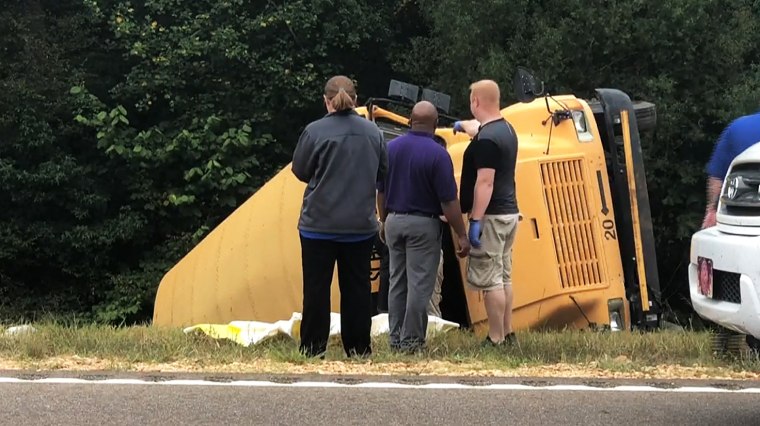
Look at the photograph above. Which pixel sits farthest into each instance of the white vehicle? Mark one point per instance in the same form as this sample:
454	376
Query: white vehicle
724	269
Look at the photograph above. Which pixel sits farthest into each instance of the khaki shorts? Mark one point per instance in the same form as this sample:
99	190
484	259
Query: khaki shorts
490	266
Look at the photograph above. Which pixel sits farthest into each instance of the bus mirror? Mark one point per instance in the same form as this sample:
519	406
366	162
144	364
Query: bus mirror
525	85
441	101
403	91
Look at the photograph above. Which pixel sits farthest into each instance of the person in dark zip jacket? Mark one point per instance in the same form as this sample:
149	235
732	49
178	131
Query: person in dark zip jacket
340	157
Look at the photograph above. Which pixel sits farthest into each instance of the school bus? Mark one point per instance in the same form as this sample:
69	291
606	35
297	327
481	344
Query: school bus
584	253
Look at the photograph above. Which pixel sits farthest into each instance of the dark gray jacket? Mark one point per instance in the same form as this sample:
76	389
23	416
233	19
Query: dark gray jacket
340	157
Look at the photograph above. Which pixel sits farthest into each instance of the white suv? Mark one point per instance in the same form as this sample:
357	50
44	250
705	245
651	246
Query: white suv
724	269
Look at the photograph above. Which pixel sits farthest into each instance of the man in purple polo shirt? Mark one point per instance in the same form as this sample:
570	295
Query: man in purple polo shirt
418	188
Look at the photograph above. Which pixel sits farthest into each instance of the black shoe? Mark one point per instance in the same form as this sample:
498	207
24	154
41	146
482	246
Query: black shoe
312	352
360	354
411	347
489	342
510	340
312	355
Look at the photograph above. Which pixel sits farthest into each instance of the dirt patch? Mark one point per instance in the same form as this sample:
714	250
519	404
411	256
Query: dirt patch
427	368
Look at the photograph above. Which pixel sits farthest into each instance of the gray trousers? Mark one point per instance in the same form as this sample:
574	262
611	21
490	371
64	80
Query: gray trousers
434	307
414	246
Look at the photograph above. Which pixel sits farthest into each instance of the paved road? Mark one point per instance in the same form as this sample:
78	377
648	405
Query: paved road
156	404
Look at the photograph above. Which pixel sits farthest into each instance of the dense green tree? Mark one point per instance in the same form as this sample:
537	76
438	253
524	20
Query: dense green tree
146	125
59	227
129	129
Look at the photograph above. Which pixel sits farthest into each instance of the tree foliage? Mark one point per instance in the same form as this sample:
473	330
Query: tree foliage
122	157
676	54
58	224
129	129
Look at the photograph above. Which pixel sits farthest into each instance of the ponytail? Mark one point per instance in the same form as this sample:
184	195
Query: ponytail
342	101
340	93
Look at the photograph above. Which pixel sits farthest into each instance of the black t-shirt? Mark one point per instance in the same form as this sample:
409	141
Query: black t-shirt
494	147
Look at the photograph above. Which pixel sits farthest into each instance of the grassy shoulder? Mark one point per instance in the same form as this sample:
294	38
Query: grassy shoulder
663	354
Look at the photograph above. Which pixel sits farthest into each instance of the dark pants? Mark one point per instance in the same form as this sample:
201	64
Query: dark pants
318	262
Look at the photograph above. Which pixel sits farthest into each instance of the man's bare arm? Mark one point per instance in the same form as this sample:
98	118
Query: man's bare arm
470	127
713	193
482	193
381	206
452	211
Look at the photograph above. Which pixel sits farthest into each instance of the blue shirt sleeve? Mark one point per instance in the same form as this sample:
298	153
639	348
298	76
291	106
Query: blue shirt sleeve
722	155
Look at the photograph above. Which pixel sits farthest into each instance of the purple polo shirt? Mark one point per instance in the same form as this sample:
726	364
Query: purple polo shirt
420	175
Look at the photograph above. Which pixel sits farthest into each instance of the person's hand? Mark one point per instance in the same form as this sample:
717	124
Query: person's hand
710	219
475	233
382	232
464	246
443	219
470	127
458	127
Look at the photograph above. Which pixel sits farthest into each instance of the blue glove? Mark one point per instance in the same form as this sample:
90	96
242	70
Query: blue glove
475	233
458	127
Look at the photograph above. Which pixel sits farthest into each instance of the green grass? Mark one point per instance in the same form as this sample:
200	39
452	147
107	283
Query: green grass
123	347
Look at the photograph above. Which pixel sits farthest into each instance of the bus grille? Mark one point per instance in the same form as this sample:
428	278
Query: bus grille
575	237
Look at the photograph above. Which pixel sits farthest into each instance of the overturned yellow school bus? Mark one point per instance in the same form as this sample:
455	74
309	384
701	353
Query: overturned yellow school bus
584	253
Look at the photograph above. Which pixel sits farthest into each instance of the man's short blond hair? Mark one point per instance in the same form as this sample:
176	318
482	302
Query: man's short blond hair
487	91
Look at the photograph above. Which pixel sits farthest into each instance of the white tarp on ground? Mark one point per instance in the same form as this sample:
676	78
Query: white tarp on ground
249	333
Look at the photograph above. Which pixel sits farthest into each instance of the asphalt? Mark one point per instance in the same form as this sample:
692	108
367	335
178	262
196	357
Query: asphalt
207	403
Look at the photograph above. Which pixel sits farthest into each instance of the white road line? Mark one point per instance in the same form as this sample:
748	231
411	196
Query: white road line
378	385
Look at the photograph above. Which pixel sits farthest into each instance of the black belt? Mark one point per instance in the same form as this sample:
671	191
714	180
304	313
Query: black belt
416	213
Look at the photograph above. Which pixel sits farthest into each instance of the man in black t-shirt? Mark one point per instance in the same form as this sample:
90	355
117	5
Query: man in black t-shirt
487	193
